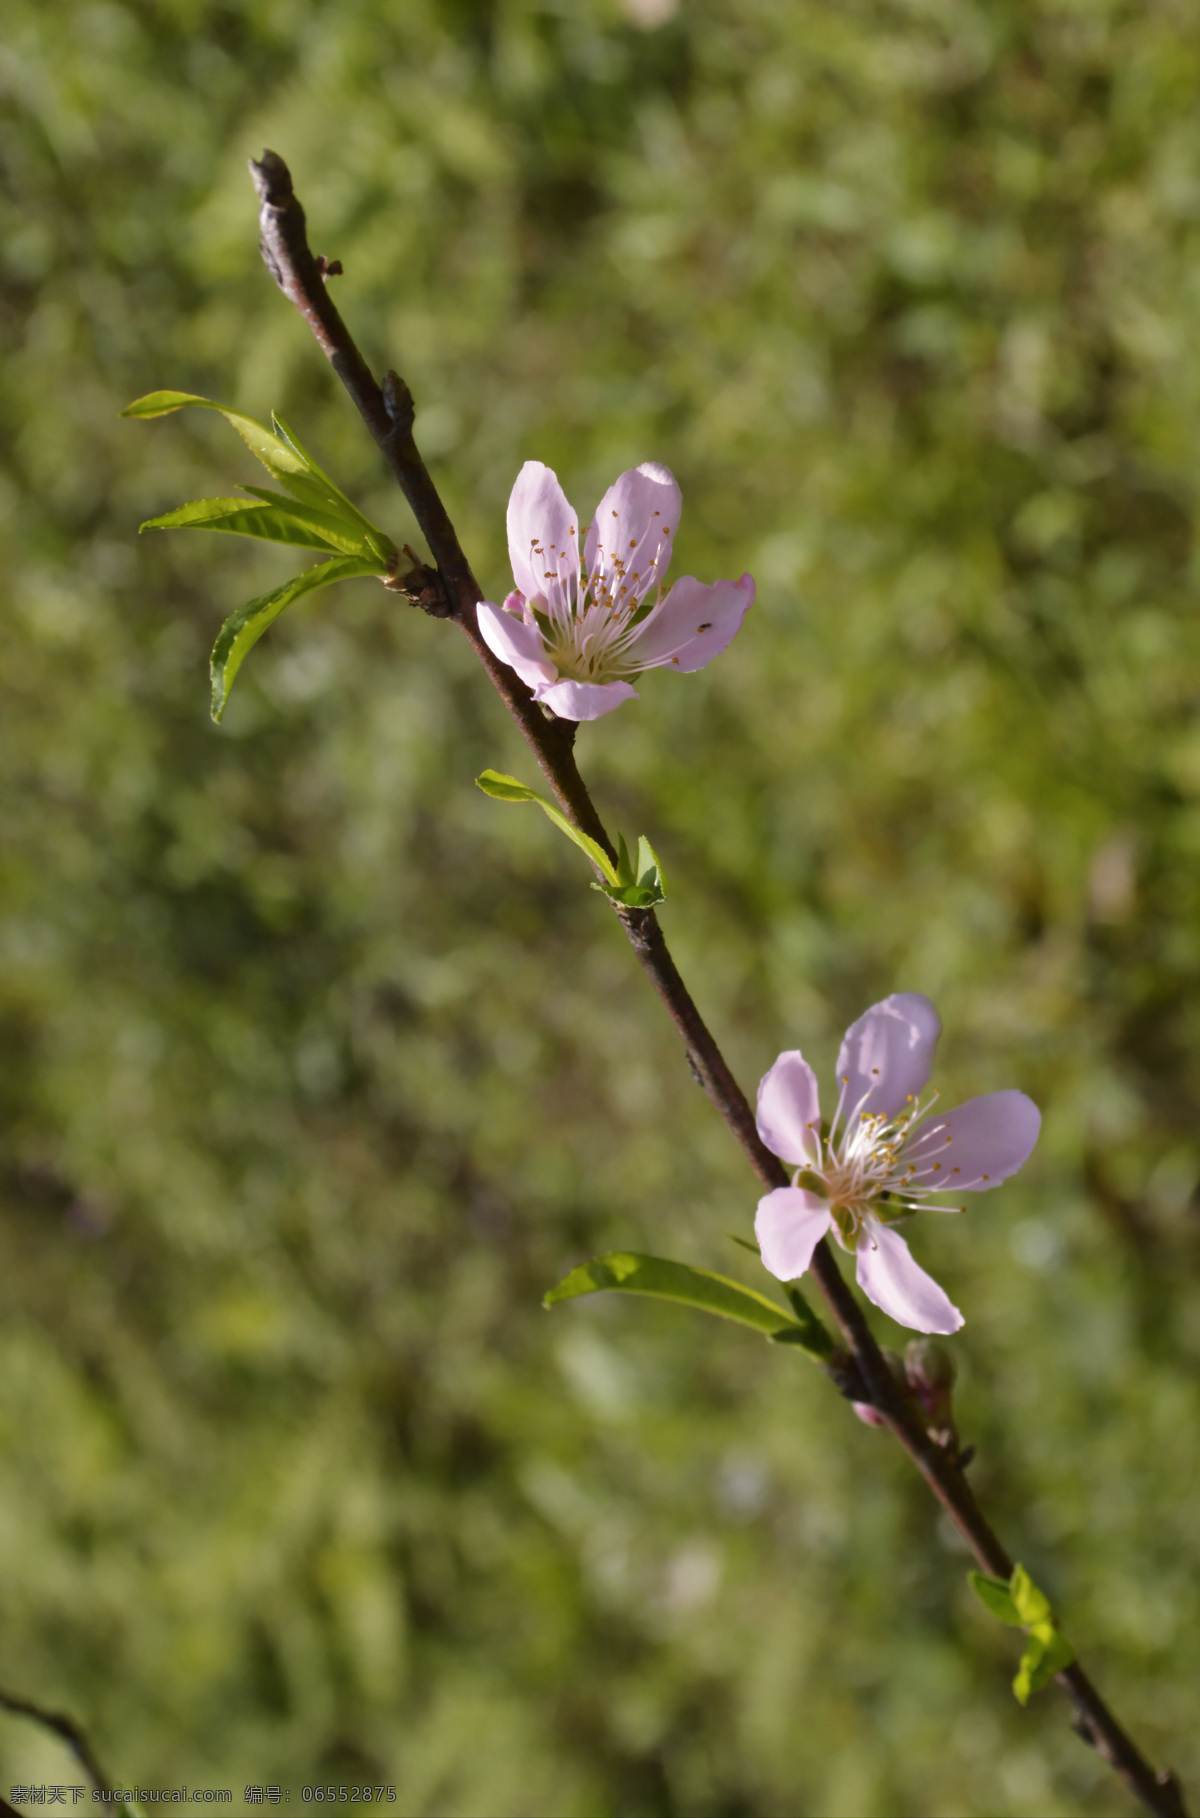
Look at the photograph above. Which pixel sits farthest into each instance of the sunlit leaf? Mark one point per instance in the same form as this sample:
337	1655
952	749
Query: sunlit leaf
1021	1604
276	454
279	521
162	403
640	885
1047	1653
628	1273
649	869
242	630
286	462
504	788
995	1596
335	492
1033	1605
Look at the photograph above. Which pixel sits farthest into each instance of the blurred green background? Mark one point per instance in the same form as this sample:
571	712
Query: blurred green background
317	1067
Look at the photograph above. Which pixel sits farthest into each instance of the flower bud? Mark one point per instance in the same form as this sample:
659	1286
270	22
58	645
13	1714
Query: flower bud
929	1371
870	1417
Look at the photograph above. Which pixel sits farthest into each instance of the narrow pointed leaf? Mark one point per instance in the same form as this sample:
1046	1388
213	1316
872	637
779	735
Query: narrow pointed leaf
240	632
649	870
276	455
1045	1655
280	521
286	462
995	1596
162	403
629	1273
504	788
1033	1605
812	1334
630	896
640	886
344	528
335	492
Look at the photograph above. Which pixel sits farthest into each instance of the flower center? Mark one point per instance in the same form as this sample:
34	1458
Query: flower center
587	641
857	1166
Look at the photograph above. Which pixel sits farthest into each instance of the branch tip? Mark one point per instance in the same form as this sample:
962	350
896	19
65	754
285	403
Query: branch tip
272	179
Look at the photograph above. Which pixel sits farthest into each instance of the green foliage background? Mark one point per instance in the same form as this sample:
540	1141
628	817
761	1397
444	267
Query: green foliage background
316	1067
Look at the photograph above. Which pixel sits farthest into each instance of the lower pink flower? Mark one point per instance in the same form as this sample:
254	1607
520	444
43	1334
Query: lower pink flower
881	1158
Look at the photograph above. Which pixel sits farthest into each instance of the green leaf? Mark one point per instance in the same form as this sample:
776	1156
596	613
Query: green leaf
279	521
286	462
649	870
629	1273
813	1335
343	527
162	403
277	455
285	435
240	632
1033	1605
995	1596
745	1244
1021	1604
630	896
1045	1655
507	789
639	887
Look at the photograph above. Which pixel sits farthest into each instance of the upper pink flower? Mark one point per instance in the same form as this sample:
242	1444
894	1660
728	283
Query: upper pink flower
575	631
881	1157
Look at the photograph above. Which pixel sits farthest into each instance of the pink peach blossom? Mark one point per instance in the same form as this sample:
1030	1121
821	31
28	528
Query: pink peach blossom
881	1158
576	631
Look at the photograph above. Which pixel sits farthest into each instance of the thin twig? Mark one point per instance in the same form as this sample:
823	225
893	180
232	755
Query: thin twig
388	414
63	1727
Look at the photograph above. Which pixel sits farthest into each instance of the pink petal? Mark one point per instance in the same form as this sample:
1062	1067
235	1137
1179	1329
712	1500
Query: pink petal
693	624
888	1276
887	1055
977	1146
789	1226
543	539
585	700
515	643
629	541
789	1113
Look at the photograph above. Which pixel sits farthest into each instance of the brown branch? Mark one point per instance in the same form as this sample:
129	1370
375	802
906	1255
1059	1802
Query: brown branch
387	412
65	1728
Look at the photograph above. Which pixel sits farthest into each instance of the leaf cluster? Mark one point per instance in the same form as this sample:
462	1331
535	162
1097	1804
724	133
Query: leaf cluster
317	515
1019	1603
634	883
